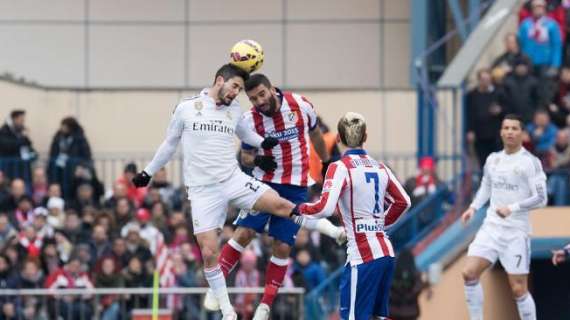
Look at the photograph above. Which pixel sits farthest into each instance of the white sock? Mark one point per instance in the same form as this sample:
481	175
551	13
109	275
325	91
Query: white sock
217	283
474	298
527	309
323	226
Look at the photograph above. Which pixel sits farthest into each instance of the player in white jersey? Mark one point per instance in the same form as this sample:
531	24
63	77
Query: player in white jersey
359	185
206	125
515	183
291	119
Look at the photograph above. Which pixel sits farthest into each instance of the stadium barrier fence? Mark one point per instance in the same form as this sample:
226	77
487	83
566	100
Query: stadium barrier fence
136	303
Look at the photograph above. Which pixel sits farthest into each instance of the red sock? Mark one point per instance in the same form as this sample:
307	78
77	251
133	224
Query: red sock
274	275
229	256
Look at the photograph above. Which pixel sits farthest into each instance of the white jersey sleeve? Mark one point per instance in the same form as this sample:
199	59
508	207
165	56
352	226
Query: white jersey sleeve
170	143
246	133
484	192
536	179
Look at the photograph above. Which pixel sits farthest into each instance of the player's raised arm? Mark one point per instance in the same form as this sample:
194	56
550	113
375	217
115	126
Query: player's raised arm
399	199
332	187
165	151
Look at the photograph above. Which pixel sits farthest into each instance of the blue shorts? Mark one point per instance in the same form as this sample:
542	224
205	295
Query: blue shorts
365	289
282	229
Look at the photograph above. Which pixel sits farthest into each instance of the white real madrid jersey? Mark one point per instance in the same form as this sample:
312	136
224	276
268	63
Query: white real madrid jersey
514	180
206	131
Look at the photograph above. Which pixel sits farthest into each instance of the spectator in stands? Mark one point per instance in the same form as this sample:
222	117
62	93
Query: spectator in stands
39	185
561	255
312	271
557	183
247	277
17	190
7	230
484	115
43	229
513	53
136	245
542	133
560	109
8	280
136	276
56	217
554	10
24	213
63	245
30	244
424	183
136	195
147	230
540	39
123	213
119	253
520	91
185	277
109	277
30	277
100	241
315	164
407	285
84	173
4	188
15	145
49	257
69	147
71	276
84	197
73	228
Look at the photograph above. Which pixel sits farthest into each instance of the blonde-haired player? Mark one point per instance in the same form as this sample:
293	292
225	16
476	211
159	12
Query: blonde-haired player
515	183
358	185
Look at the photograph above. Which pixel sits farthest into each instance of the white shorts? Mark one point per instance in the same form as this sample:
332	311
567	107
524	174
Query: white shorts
210	202
511	246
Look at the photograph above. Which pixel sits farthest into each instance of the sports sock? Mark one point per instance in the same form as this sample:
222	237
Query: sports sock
229	256
526	306
217	283
274	275
474	298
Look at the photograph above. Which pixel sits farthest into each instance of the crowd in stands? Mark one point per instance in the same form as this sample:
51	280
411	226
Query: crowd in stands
532	79
59	228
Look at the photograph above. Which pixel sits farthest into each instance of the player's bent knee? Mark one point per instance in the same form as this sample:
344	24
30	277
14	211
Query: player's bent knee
243	236
281	249
469	275
518	289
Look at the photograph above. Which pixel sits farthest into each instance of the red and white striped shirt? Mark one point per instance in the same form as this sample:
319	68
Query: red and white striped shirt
291	125
360	187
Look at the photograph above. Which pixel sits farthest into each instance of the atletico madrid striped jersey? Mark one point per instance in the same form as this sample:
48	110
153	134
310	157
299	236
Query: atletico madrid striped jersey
368	197
290	125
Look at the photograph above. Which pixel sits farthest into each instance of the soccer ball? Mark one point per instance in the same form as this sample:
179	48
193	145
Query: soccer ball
247	55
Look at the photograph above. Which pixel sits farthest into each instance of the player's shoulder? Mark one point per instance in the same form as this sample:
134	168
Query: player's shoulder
299	99
530	161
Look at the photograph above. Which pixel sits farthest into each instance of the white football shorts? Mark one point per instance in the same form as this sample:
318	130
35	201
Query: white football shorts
510	245
210	202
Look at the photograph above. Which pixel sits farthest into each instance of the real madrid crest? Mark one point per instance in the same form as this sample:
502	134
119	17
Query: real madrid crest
229	114
198	106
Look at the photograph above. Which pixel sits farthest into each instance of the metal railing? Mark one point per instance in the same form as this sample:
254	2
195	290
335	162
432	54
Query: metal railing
133	303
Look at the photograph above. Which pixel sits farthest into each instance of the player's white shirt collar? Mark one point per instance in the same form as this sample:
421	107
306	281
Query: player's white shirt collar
521	150
204	95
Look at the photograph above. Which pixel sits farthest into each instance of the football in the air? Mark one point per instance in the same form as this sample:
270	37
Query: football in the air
247	55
